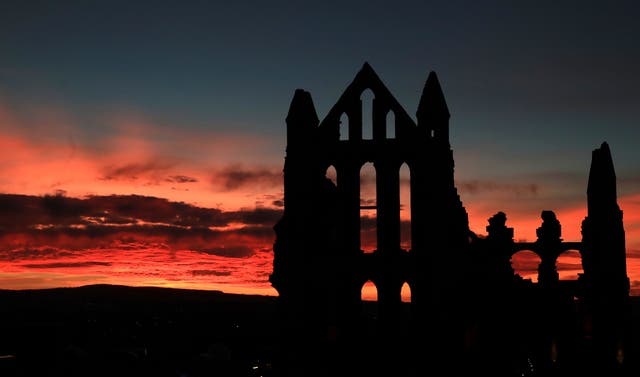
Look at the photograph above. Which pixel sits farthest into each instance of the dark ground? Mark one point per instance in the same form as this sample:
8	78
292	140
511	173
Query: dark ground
104	330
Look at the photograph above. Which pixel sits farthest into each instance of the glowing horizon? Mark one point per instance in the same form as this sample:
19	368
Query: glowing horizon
233	257
205	210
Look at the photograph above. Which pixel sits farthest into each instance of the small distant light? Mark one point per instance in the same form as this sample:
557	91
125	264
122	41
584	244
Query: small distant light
620	355
554	351
254	367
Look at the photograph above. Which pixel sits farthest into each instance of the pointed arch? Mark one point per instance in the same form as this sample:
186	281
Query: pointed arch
369	300
405	292
369	291
405	207
367	79
344	127
366	99
390	123
368	209
332	174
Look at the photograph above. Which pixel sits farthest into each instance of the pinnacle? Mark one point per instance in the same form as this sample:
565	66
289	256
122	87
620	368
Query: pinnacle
432	102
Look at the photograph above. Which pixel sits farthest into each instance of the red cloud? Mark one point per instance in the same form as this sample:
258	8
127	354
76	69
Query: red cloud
235	177
66	265
102	221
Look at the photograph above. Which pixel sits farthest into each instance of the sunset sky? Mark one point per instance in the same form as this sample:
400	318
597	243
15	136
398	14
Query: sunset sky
143	144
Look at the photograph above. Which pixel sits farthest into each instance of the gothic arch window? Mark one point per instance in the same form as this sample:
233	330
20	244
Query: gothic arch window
405	207
344	127
390	122
369	299
525	263
569	265
405	292
332	174
368	209
366	98
369	291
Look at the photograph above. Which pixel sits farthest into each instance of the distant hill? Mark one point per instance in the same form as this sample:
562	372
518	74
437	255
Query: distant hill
103	290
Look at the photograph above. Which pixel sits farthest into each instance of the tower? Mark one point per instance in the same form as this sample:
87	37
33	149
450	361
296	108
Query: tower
606	283
604	258
319	265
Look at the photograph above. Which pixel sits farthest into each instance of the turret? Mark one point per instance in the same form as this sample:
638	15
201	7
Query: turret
604	259
604	263
601	190
433	113
302	124
302	118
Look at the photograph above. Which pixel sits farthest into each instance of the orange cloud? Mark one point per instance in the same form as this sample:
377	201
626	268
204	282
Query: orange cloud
46	153
133	240
142	265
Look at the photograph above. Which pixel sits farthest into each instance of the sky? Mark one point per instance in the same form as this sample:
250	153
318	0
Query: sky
143	142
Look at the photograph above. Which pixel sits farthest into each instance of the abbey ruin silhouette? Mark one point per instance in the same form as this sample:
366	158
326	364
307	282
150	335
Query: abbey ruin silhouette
469	311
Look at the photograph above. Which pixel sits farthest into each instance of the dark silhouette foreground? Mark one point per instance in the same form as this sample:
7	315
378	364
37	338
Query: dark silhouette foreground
117	331
469	312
